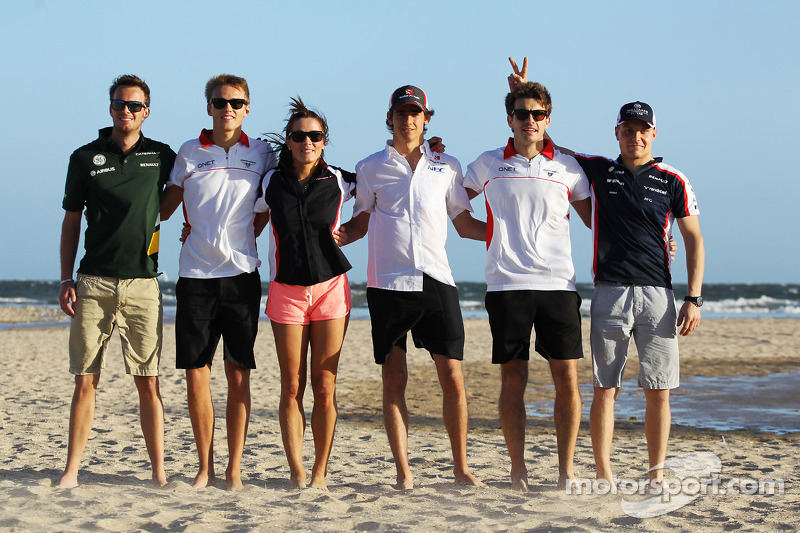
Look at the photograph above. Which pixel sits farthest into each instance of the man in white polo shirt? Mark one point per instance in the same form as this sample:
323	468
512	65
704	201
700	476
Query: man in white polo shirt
530	281
217	177
405	195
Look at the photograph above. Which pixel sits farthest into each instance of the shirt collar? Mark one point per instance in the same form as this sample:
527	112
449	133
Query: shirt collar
390	151
548	151
206	138
104	134
654	161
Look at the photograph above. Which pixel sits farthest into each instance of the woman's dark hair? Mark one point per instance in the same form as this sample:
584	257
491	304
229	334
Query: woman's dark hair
297	110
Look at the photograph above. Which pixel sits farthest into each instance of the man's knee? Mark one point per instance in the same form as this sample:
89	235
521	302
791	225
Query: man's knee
86	383
514	376
238	376
565	375
395	378
605	396
656	397
147	386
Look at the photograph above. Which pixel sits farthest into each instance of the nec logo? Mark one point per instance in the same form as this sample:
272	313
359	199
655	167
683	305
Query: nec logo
505	169
205	164
436	169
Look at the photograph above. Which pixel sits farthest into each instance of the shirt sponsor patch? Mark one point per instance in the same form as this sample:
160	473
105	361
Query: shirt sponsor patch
102	171
99	160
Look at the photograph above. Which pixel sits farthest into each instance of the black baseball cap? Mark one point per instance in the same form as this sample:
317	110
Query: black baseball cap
638	111
409	94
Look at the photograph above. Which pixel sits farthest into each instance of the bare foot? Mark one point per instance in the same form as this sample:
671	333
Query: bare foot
655	486
233	482
405	482
467	479
68	481
573	485
298	482
519	480
202	480
318	484
566	481
159	479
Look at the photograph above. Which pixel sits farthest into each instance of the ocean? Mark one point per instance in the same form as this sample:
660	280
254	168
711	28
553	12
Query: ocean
722	300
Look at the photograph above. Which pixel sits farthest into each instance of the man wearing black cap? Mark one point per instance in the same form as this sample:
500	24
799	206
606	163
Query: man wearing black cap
405	194
635	201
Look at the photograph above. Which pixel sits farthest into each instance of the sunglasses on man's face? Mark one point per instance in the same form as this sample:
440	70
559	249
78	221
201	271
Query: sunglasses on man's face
221	103
300	136
133	106
523	114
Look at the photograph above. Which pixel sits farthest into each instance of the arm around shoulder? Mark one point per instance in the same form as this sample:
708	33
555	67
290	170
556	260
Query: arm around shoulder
173	196
584	210
352	230
469	227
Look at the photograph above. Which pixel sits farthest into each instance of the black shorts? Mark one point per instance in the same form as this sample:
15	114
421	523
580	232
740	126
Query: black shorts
555	315
210	308
433	316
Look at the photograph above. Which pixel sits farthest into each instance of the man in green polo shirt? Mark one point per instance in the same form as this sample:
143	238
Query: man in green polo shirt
118	179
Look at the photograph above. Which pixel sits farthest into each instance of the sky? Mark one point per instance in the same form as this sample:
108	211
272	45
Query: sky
720	75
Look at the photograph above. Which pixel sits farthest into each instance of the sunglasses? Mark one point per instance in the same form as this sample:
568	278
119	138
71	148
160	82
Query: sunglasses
300	136
523	114
221	103
133	106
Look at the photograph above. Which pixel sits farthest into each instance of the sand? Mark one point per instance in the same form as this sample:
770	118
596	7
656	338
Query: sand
115	493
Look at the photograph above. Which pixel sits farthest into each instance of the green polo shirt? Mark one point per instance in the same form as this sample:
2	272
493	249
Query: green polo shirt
122	196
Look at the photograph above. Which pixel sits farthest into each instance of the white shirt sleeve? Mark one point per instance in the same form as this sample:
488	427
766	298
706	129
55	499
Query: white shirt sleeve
181	169
476	174
365	198
457	199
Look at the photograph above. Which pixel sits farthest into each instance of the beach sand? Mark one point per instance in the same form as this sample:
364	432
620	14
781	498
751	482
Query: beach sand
115	493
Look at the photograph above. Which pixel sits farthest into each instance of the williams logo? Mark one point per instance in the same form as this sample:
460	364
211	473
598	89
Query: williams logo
99	160
248	163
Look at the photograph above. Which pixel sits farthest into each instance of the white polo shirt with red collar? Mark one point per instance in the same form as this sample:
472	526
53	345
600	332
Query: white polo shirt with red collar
219	191
527	211
409	213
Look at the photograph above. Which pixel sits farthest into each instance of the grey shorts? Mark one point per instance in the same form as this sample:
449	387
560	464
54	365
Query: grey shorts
645	313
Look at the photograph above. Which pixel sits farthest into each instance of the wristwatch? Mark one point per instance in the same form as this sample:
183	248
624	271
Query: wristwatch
696	300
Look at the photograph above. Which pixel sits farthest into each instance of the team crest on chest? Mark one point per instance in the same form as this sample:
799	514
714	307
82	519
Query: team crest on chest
99	160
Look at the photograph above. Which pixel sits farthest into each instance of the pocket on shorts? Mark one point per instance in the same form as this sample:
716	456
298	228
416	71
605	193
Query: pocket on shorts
87	285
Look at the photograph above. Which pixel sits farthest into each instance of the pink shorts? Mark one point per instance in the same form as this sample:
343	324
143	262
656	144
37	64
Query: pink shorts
296	304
